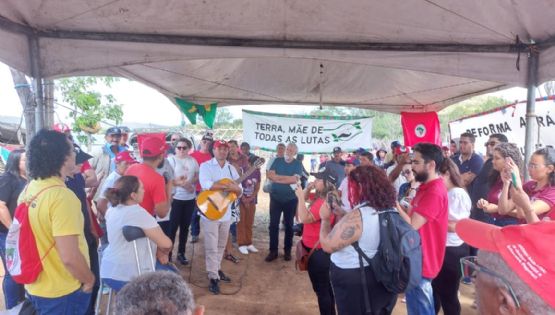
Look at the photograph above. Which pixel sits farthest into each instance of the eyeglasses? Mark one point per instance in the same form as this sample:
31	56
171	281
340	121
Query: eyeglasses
470	268
535	166
182	148
491	143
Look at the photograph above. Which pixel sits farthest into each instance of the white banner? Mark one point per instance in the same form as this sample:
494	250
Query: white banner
510	121
312	134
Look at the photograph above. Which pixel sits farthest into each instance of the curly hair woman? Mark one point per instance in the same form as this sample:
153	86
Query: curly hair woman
367	184
491	204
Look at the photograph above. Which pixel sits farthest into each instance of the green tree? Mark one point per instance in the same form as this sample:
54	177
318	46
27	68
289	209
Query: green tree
382	122
468	107
90	106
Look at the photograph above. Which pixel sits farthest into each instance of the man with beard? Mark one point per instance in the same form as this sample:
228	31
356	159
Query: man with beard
428	214
284	173
216	231
157	191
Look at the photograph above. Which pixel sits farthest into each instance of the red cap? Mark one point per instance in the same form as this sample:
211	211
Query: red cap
527	249
220	143
59	127
401	149
125	156
153	146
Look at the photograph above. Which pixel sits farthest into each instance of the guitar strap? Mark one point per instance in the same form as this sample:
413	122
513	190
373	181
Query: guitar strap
235	204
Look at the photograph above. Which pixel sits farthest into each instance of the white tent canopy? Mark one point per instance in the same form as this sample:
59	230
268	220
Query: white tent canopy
395	55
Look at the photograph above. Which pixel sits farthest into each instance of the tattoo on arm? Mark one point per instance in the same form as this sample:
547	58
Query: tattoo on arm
348	233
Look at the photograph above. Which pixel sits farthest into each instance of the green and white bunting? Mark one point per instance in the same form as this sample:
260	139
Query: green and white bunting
312	134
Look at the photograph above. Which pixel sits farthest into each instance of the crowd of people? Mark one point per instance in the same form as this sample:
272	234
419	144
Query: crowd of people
434	189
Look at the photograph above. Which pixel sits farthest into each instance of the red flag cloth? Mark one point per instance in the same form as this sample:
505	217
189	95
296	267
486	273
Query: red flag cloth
420	127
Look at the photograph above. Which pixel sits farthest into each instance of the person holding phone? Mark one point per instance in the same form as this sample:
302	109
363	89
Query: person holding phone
496	202
535	200
319	261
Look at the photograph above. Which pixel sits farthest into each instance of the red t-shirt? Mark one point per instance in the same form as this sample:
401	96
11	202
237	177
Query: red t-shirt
545	194
311	231
155	187
200	158
431	202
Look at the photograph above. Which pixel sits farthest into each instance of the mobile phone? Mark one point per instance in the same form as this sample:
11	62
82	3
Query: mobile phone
331	200
513	177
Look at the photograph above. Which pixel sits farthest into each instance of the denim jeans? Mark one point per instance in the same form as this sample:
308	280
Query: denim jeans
420	300
13	291
276	208
75	303
116	285
195	222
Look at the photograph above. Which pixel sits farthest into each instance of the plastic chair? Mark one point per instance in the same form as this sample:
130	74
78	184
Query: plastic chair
131	234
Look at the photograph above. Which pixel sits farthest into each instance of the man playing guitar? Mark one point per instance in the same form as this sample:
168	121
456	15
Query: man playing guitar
217	231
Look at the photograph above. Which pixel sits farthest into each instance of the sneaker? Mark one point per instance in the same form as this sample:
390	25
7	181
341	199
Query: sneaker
105	289
467	280
194	239
223	276
252	249
243	250
271	256
287	255
214	286
182	259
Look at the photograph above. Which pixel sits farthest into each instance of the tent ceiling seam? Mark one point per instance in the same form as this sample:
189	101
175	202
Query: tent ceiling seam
14	27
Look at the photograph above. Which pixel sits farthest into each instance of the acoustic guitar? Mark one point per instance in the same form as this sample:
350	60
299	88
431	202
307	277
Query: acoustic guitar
213	204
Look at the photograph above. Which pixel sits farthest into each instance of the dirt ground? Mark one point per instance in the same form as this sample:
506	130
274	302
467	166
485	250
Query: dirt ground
259	287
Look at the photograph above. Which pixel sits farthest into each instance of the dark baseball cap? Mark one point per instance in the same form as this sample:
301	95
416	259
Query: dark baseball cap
326	174
337	149
80	155
113	131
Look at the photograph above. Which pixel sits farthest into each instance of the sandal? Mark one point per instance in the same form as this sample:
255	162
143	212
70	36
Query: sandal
231	258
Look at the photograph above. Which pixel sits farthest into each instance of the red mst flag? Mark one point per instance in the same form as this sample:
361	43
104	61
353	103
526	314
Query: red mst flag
420	127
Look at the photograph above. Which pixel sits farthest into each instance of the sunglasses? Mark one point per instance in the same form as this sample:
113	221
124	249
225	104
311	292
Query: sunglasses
492	143
182	148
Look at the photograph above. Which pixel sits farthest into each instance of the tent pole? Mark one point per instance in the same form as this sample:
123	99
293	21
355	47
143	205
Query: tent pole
34	50
531	122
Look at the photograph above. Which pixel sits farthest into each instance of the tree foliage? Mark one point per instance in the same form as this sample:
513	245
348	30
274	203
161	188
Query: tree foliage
91	106
468	107
387	126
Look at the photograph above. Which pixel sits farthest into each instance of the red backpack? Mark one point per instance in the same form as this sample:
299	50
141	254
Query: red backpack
23	261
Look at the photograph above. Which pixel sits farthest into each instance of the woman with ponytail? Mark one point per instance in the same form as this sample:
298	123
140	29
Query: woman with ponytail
118	263
446	284
536	197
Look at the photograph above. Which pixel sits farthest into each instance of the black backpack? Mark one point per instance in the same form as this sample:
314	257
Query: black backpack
397	264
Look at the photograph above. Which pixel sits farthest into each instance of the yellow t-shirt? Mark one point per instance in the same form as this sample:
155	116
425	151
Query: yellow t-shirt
56	212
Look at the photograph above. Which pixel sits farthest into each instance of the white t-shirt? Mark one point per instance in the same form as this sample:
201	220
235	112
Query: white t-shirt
110	182
459	208
169	174
344	189
118	259
187	167
400	179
